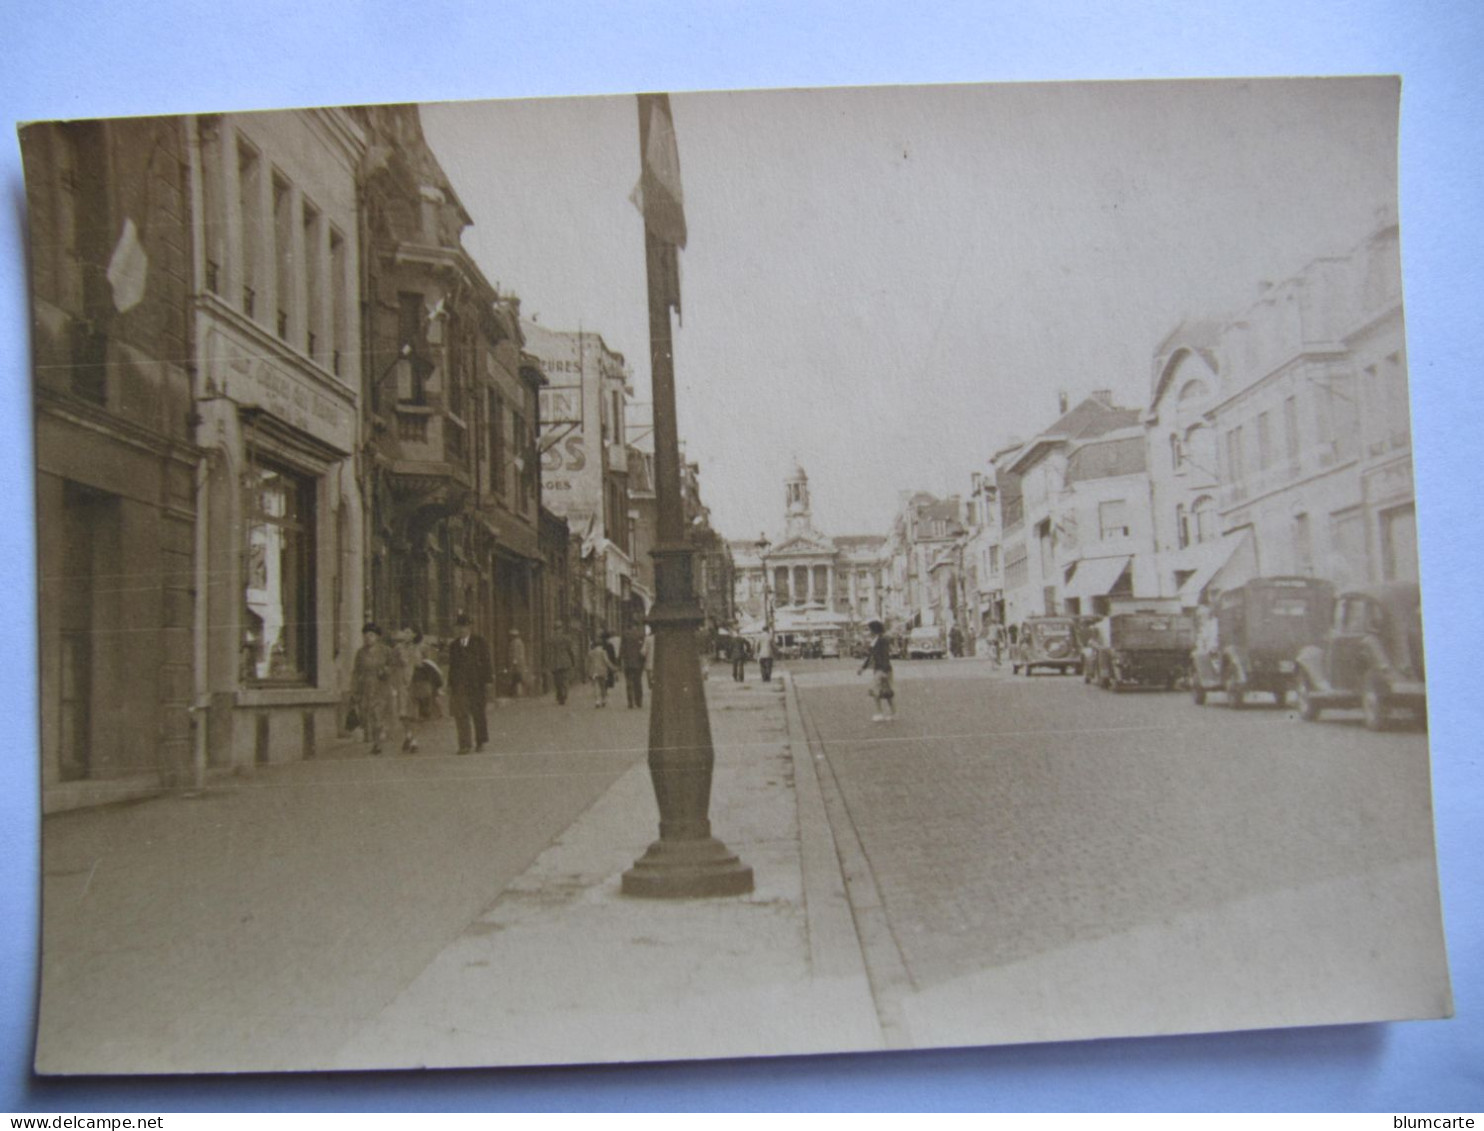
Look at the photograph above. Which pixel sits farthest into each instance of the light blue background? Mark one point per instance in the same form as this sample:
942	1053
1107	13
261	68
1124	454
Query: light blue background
95	58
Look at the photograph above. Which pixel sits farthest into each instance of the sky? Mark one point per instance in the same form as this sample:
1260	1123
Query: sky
888	283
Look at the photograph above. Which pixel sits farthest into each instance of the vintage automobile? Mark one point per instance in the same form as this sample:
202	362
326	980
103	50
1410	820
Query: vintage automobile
1260	628
1151	649
1046	642
926	643
1372	658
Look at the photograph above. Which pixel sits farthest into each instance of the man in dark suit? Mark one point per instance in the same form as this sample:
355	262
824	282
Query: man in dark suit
468	677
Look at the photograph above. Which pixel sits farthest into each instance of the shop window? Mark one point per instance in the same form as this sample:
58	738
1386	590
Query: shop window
278	614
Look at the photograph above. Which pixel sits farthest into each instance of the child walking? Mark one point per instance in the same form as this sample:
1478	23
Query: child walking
600	669
878	661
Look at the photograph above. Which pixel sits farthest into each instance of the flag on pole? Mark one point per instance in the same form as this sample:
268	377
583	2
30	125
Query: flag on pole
658	195
128	269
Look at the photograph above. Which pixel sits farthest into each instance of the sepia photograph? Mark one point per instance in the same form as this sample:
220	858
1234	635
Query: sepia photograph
734	574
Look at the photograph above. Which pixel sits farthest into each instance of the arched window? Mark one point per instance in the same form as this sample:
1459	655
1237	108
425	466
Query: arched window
1182	526
1203	510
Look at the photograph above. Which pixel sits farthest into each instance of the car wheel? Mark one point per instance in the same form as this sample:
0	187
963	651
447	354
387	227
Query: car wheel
1373	703
1235	692
1307	708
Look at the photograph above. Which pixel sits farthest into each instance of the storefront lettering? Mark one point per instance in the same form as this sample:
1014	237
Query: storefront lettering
293	402
570	455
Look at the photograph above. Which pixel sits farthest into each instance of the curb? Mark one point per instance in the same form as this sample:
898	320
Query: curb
835	946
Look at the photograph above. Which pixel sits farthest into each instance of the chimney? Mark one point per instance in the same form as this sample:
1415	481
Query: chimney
1061	402
1104	397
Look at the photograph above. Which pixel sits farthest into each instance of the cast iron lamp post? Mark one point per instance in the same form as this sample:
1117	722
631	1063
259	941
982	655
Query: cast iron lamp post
686	861
763	546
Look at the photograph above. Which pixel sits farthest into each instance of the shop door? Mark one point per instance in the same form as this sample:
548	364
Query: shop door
87	516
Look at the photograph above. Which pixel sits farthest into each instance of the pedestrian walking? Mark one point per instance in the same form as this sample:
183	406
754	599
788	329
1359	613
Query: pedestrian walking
878	662
611	643
600	670
517	664
372	681
649	659
561	662
765	655
739	658
631	659
427	682
468	678
408	651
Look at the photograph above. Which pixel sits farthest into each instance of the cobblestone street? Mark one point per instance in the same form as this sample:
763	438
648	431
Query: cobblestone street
1007	817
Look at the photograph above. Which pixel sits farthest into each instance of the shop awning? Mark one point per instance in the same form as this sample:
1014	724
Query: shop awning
1230	561
1095	577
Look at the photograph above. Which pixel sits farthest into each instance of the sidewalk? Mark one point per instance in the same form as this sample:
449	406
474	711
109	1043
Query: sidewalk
561	968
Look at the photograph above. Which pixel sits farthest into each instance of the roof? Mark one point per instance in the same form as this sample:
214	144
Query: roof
1104	459
1199	336
1089	419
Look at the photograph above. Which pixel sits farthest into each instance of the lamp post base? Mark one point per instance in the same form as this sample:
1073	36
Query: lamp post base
687	869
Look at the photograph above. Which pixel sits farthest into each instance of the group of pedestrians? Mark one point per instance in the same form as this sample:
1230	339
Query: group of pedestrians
398	685
630	654
740	651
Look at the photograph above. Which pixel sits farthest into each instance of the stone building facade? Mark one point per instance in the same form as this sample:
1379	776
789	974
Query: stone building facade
451	413
813	587
116	460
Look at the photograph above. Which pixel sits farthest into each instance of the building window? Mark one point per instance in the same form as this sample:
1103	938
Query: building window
413	375
314	282
283	256
1291	437
83	231
1203	511
278	615
1303	545
453	379
1236	464
497	445
1113	519
250	223
1182	527
339	303
520	436
213	203
1336	417
1177	454
1264	440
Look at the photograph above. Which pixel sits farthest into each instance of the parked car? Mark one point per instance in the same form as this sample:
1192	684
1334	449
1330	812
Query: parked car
1372	657
926	643
1046	642
1152	649
1259	629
